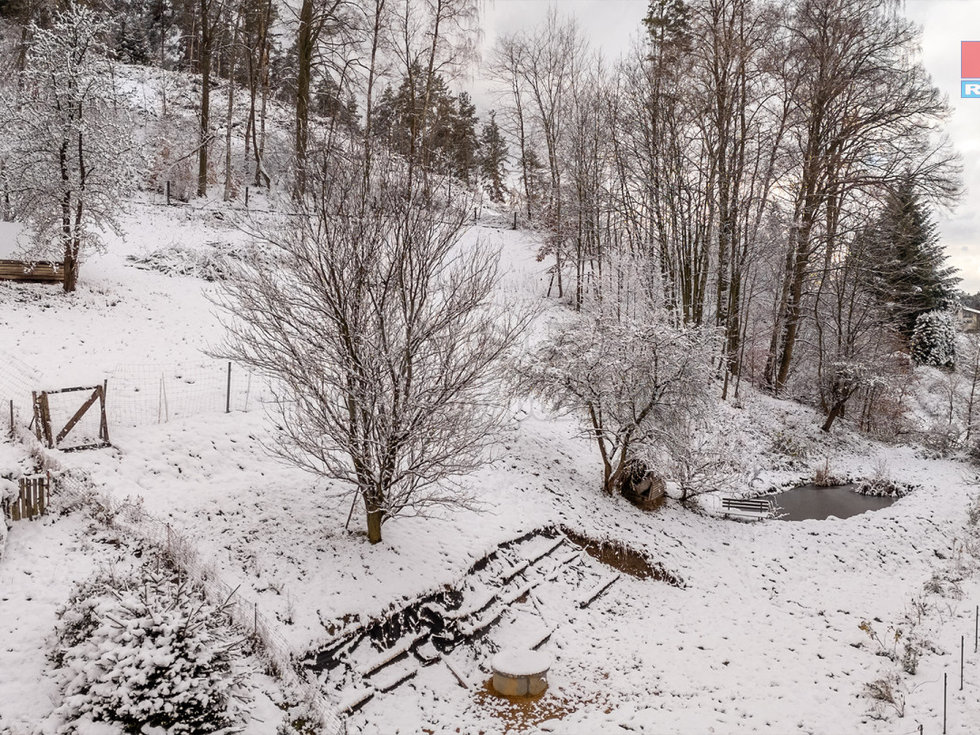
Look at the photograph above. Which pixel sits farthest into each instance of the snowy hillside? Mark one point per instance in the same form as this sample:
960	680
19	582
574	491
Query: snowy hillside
762	631
643	403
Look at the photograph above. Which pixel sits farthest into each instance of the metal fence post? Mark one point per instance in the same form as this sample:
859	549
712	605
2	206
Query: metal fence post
228	391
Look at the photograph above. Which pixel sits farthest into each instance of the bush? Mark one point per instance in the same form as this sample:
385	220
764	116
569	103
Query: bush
210	263
934	339
146	649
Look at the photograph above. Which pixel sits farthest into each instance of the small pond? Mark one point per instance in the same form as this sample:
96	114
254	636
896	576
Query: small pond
817	503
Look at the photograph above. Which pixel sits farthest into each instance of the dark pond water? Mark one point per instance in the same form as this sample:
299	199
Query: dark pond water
818	503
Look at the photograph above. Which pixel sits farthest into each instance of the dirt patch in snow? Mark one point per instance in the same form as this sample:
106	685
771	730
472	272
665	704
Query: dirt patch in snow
623	559
519	714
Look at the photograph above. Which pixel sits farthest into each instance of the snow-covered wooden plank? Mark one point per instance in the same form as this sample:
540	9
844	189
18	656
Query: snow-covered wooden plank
482	623
483	601
514	571
351	699
391	678
548	550
428	653
389	655
563	562
589	597
518	593
455	671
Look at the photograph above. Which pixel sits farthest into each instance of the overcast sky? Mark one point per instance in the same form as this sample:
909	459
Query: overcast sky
612	25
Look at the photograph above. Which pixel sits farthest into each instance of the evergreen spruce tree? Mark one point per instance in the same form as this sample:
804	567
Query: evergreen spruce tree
908	271
465	147
493	157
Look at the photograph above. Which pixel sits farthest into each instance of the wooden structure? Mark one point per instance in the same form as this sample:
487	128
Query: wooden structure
38	271
32	499
42	418
750	507
969	319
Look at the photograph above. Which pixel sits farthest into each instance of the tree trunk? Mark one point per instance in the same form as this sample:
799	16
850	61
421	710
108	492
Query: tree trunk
834	414
205	129
231	107
304	70
375	515
71	269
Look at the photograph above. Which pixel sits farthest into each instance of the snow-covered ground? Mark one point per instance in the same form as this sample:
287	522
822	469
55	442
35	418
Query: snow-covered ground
772	631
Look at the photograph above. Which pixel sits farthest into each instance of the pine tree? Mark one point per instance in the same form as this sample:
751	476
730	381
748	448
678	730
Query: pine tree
464	145
668	26
908	271
493	157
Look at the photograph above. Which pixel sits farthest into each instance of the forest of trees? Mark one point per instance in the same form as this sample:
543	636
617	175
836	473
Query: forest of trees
759	177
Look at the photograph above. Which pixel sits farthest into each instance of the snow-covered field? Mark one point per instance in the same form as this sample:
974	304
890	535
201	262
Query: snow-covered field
777	627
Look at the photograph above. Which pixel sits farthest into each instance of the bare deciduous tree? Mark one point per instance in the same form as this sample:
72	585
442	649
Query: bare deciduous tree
379	328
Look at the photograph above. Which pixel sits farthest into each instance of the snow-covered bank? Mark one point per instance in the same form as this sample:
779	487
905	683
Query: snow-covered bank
764	636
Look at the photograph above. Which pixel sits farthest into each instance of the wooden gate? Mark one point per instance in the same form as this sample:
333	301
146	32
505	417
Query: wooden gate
42	418
32	500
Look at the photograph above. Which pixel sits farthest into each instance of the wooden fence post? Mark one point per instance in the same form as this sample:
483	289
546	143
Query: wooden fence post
11	418
228	391
104	425
168	192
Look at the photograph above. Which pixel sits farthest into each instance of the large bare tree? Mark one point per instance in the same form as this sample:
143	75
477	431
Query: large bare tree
379	329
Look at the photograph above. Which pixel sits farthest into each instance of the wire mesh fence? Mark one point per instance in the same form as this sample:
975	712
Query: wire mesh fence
142	394
17	381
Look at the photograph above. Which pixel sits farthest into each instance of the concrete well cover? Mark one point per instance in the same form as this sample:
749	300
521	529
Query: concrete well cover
521	662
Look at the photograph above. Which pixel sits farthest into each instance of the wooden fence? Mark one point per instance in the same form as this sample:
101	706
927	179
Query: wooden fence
32	500
39	271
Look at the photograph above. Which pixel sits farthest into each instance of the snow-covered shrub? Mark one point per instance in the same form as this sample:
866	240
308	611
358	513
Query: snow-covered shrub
639	384
706	463
881	482
824	476
210	263
973	509
934	339
146	649
791	445
887	690
941	438
303	719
